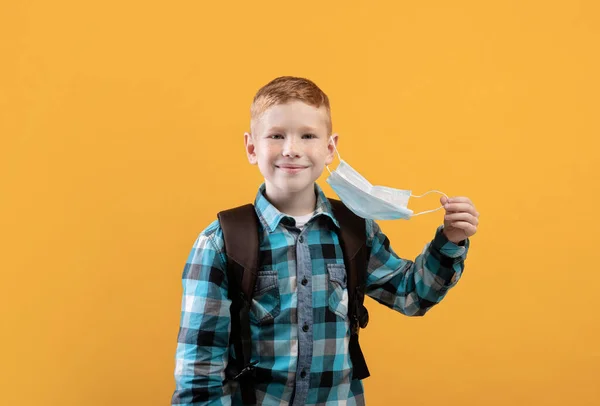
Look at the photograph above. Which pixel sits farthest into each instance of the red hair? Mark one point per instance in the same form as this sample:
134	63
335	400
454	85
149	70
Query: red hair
285	89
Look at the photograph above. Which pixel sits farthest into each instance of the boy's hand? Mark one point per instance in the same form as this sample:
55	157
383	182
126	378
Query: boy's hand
461	219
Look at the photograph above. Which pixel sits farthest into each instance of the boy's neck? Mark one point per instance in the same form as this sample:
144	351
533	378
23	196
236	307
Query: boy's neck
292	204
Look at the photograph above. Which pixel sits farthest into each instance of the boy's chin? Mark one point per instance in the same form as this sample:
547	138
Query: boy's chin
291	185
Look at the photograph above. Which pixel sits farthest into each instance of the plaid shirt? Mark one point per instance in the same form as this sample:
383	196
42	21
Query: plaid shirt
299	323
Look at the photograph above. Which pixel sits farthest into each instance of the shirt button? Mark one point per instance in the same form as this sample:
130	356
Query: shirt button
303	374
305	328
304	281
301	239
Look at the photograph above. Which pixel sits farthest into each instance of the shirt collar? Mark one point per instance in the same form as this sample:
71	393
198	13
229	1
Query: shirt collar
270	217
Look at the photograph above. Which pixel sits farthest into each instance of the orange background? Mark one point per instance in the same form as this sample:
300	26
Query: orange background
121	129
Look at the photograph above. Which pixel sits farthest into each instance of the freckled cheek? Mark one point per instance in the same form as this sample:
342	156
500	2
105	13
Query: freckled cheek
274	154
318	155
271	155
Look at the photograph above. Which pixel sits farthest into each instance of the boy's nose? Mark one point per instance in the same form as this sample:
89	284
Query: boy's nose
291	148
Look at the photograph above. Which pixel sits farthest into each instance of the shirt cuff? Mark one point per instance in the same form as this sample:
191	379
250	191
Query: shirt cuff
447	247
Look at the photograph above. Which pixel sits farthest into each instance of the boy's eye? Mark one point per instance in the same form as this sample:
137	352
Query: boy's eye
279	136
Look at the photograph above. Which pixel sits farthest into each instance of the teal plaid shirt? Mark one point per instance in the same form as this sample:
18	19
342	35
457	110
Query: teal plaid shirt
299	315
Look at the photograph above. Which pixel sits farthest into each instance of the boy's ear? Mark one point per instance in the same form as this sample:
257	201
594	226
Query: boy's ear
333	140
250	148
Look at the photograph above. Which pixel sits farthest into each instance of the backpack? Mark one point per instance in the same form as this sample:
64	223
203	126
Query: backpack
240	233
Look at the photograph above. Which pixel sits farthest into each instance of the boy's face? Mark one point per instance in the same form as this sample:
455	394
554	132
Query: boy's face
291	146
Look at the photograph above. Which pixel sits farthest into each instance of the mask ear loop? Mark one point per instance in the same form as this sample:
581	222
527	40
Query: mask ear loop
338	153
429	211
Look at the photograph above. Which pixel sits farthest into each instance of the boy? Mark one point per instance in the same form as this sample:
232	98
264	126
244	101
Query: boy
299	312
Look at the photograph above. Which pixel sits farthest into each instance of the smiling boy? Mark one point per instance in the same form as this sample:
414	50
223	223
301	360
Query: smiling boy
299	316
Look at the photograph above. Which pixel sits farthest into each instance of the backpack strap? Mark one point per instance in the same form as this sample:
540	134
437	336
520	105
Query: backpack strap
353	238
240	234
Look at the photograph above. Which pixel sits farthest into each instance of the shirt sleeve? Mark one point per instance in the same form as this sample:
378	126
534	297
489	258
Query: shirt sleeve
203	339
412	288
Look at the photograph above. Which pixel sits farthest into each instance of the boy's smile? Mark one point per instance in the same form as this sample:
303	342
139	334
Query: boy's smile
292	169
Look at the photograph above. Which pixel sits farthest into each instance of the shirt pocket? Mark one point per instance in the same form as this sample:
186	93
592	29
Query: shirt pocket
266	302
338	290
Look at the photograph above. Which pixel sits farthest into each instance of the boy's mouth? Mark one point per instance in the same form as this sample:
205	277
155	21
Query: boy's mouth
291	168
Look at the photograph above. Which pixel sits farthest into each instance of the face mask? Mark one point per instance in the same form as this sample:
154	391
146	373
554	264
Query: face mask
368	201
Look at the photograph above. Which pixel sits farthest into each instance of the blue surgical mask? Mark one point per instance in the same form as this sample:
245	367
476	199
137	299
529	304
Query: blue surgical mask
368	201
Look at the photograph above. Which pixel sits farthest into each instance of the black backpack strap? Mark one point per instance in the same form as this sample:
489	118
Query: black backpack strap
353	238
240	234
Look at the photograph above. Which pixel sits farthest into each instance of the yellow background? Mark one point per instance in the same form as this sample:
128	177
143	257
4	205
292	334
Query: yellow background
122	125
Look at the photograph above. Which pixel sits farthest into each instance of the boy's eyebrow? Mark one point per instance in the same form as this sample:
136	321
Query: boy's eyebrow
281	129
307	128
273	129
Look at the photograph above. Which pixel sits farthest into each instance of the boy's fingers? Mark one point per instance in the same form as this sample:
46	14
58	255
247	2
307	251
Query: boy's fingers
460	207
462	217
460	199
465	225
